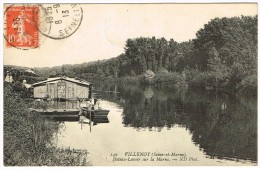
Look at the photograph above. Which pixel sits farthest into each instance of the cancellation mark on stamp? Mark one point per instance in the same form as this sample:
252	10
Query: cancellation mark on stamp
60	21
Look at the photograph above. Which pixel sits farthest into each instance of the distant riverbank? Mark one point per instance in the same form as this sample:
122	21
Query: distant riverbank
193	79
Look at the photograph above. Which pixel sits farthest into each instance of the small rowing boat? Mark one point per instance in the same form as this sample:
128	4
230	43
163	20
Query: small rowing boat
95	113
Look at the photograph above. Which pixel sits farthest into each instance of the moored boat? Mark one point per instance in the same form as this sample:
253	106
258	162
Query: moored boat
57	113
95	113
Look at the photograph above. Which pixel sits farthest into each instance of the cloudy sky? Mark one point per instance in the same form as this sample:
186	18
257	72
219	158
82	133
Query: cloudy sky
106	27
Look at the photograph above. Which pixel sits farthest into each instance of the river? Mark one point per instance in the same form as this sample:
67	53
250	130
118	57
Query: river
166	126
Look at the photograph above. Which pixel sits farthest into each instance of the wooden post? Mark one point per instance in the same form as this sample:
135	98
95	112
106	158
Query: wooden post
90	116
90	91
81	124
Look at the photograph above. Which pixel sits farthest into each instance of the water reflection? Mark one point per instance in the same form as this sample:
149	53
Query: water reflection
223	127
95	120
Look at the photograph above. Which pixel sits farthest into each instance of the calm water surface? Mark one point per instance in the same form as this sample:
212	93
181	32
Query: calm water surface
209	128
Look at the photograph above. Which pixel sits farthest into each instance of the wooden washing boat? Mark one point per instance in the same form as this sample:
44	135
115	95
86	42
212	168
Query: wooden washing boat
71	113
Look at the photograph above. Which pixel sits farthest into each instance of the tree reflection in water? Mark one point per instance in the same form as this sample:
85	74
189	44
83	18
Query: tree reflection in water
222	126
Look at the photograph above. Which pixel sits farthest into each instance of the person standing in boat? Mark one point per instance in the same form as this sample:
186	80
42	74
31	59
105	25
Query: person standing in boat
89	108
81	106
96	106
89	105
44	105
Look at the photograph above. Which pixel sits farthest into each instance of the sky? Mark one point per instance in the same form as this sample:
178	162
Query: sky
106	27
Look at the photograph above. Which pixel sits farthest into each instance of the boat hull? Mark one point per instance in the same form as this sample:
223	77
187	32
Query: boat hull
97	114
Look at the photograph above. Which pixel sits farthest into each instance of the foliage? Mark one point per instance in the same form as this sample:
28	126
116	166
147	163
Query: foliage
19	89
248	85
233	38
27	137
196	78
227	49
223	54
169	79
21	73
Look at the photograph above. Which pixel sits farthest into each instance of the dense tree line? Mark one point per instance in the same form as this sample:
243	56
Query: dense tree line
140	55
224	53
227	48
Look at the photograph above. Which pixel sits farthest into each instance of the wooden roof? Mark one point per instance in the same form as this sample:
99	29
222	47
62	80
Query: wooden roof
73	80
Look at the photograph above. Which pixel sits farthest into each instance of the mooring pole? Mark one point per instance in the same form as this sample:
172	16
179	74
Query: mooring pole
90	116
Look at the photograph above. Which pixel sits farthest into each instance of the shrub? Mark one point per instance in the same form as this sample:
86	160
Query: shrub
196	78
27	137
248	85
170	79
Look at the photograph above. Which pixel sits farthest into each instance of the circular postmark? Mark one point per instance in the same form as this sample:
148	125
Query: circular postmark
59	21
21	26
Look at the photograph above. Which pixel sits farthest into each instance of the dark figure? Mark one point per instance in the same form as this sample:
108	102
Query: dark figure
44	105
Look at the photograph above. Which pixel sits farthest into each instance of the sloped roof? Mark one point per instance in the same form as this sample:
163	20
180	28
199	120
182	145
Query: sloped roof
73	80
27	85
30	71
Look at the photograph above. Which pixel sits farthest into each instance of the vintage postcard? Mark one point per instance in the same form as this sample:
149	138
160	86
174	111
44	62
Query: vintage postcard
152	84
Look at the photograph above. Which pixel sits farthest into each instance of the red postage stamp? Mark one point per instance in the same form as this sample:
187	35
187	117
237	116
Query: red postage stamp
21	27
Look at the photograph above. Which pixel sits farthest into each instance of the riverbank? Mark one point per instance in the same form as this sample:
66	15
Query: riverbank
28	137
192	79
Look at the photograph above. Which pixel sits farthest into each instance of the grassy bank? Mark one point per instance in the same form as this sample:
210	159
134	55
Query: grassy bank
27	137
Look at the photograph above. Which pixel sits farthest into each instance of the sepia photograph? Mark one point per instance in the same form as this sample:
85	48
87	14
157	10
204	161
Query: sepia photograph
130	84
